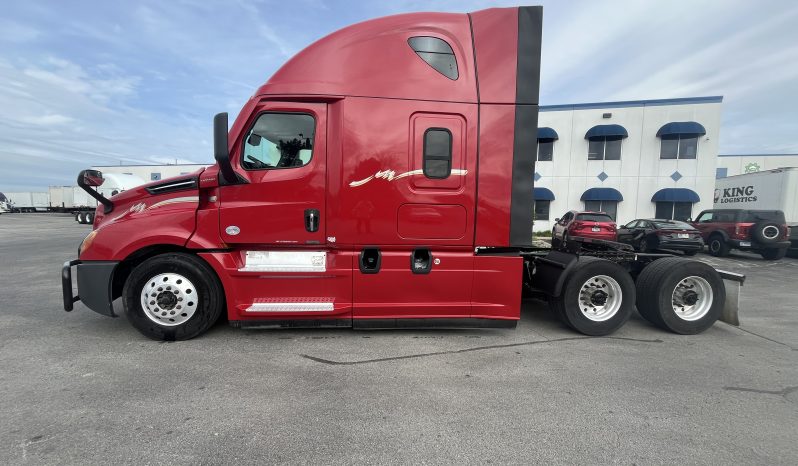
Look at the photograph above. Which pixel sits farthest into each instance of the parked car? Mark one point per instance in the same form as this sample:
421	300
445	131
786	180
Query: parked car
598	225
761	231
647	235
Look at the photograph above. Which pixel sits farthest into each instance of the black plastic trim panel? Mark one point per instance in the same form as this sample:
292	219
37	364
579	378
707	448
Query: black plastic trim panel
171	186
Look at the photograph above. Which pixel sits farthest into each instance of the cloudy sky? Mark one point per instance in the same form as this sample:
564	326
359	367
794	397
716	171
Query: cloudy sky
95	83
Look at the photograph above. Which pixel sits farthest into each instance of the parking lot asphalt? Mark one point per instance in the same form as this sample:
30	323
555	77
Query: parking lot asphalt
80	388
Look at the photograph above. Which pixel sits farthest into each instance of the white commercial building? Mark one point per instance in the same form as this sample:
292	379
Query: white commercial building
635	159
738	164
151	172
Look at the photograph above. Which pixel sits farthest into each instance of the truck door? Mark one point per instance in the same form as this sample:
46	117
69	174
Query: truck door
276	221
282	156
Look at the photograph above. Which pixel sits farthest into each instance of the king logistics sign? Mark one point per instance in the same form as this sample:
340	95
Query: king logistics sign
735	195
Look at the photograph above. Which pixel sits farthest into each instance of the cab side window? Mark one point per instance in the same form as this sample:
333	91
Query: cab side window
279	140
704	217
437	153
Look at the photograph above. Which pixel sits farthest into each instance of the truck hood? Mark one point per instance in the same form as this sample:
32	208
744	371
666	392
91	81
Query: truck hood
179	192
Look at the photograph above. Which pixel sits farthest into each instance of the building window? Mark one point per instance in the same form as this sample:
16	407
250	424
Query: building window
437	153
279	140
541	210
674	210
675	146
721	172
545	150
608	207
608	148
155	176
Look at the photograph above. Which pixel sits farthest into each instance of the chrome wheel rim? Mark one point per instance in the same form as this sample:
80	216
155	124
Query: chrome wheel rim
692	298
600	298
169	299
770	232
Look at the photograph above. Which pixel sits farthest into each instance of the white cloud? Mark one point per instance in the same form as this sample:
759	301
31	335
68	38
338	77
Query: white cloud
139	82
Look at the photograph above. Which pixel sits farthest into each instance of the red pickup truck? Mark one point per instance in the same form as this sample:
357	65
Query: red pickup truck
381	178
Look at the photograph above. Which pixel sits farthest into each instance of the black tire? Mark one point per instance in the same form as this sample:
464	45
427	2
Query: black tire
642	246
773	254
208	292
567	306
81	218
657	284
691	253
76	216
89	218
718	246
766	232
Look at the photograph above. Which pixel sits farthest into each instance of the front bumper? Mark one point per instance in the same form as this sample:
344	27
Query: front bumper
95	280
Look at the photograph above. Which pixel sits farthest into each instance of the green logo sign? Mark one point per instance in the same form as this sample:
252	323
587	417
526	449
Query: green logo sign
752	167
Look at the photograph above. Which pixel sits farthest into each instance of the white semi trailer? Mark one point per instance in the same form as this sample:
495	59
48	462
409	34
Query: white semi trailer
70	199
27	201
766	190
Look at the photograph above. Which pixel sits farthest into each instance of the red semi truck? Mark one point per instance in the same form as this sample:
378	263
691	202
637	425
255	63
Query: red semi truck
381	178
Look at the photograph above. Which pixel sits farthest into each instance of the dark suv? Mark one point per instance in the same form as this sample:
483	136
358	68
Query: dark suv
761	231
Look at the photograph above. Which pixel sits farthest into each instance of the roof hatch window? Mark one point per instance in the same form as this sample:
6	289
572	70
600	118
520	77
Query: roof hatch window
437	53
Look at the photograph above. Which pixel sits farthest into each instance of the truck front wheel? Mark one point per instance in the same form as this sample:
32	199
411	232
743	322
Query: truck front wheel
597	298
680	295
173	296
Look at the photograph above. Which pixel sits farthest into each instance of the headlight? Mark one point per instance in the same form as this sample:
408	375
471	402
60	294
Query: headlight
86	242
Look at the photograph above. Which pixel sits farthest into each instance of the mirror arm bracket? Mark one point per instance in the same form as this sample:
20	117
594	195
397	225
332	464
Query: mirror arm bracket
108	206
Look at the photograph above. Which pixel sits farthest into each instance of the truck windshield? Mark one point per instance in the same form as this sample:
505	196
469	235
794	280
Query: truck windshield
279	140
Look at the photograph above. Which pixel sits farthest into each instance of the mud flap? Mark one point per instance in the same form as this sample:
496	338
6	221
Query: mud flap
733	282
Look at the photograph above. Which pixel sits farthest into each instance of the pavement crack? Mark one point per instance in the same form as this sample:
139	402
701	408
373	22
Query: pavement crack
466	350
767	338
783	392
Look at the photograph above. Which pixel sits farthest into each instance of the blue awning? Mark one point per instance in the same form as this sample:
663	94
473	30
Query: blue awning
606	131
675	195
543	194
547	134
682	127
602	194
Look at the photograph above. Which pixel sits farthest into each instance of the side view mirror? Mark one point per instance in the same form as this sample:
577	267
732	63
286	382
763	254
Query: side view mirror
689	219
92	178
557	220
220	149
88	179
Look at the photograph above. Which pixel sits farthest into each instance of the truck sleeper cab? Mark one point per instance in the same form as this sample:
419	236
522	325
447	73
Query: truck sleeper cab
381	178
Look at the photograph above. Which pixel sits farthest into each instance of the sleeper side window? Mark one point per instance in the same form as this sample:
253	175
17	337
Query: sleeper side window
437	53
437	153
279	140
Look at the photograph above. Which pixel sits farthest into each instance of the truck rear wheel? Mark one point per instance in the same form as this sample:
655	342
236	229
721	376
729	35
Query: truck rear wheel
173	296
597	297
680	295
